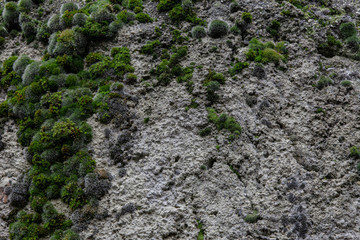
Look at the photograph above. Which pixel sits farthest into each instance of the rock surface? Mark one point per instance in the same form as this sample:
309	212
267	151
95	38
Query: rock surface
291	164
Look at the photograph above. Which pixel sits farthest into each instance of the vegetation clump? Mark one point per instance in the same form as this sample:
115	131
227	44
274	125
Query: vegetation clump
266	52
198	32
218	29
223	121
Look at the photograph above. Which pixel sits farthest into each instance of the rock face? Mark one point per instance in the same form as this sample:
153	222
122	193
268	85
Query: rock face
290	167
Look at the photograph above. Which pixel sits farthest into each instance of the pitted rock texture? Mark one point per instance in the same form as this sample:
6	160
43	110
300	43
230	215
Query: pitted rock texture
291	163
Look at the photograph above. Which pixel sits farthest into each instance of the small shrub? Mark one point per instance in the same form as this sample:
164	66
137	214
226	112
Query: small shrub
238	67
198	32
218	28
324	82
166	5
148	48
102	15
205	132
25	5
234	7
43	33
211	89
346	83
55	23
273	29
79	19
68	7
269	55
347	30
247	17
355	152
20	64
10	16
353	42
143	18
64	130
177	14
31	71
252	218
93	57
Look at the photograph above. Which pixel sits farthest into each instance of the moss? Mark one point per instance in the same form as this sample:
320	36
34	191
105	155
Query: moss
8	64
20	64
346	83
126	16
148	48
102	16
198	32
68	7
355	152
347	30
55	23
205	132
25	5
73	195
93	57
247	17
218	29
79	19
353	42
324	82
225	122
132	4
143	18
43	33
252	217
238	67
64	130
273	29
269	55
167	5
10	16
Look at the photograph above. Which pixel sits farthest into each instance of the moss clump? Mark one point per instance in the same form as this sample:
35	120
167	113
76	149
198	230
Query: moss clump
56	23
93	57
198	32
324	82
79	19
234	7
266	52
347	30
102	16
247	17
143	18
68	7
218	29
10	16
238	67
25	5
273	29
167	5
20	64
69	42
149	47
252	217
330	48
225	122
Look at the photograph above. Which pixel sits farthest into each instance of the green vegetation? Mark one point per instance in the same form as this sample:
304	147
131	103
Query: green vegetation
149	47
201	234
324	82
10	16
237	68
143	17
252	217
198	32
330	48
218	29
273	29
223	121
266	52
247	17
